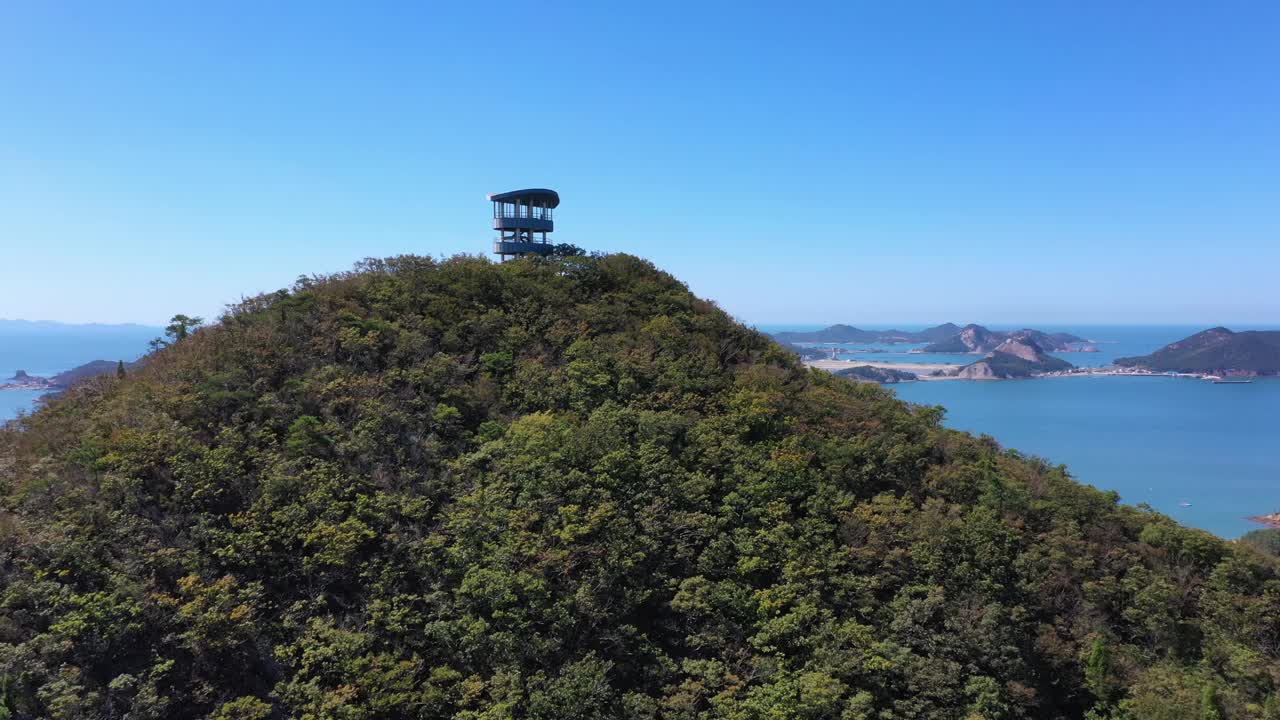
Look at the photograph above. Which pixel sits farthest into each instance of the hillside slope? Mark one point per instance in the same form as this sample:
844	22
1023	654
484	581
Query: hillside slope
571	489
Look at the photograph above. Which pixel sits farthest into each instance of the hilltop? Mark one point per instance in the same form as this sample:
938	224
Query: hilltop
569	488
1017	357
1218	351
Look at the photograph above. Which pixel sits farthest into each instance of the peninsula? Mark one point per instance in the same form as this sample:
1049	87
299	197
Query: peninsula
1216	351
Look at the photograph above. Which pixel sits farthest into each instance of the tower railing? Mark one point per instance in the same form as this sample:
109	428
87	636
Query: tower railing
537	214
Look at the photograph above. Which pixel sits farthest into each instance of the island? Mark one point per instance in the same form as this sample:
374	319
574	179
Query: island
22	381
978	339
1010	354
1217	351
1018	357
882	375
944	338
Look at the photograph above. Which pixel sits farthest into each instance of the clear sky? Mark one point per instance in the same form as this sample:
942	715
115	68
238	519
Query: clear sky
863	162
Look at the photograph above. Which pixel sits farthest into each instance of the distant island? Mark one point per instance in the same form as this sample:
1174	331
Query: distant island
1016	357
882	375
21	380
1216	351
1218	354
944	338
978	339
850	334
1008	354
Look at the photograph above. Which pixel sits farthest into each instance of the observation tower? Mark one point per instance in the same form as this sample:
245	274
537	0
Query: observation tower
523	219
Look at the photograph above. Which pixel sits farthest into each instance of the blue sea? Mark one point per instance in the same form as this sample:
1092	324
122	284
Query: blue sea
46	349
1155	440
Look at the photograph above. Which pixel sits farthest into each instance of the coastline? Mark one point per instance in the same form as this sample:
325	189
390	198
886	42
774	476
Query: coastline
1272	520
924	371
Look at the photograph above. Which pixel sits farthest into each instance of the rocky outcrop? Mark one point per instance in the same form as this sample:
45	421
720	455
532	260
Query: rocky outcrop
1021	348
980	370
1014	358
22	381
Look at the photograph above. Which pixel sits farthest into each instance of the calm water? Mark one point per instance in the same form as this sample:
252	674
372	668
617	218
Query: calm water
47	350
1162	441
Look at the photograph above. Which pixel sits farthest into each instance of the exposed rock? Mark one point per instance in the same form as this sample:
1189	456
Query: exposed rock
1021	348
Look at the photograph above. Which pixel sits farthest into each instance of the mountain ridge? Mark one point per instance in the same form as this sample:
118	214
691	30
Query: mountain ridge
1216	350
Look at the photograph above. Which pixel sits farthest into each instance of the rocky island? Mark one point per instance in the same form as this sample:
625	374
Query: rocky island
22	381
1017	357
1216	351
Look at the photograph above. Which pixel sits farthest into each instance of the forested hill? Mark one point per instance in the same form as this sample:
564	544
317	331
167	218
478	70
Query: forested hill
1219	350
570	489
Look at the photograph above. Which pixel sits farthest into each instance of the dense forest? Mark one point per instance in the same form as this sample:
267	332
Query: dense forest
569	489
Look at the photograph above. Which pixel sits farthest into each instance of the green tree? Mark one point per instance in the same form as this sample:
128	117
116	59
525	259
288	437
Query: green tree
570	488
1267	540
1097	672
1209	708
1271	709
180	326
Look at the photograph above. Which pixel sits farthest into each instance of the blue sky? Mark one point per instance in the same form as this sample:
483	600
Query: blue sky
1010	162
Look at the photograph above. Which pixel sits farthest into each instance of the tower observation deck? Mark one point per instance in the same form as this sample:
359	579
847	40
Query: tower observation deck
523	218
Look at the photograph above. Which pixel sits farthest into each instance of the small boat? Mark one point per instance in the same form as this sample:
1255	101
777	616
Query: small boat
1232	381
1184	503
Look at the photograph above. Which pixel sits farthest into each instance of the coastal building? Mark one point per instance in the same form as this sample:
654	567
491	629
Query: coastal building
523	218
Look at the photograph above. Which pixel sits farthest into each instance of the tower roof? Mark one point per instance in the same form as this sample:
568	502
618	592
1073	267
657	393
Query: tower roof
550	197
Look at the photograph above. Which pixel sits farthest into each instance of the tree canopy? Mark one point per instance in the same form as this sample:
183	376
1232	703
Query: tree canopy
567	488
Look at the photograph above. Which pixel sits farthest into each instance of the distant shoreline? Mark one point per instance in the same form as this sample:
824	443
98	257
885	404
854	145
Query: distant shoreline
924	371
